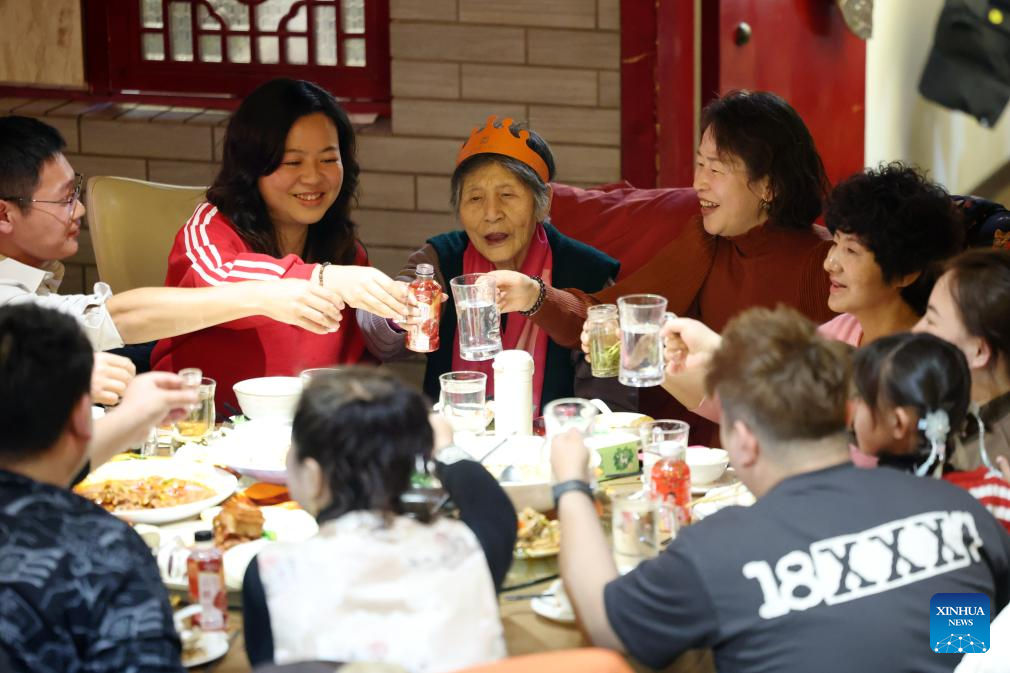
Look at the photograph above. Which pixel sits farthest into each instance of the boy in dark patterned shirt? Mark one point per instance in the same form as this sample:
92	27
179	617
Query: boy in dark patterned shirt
79	590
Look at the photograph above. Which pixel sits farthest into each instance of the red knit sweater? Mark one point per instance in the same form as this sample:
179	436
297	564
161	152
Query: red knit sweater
209	251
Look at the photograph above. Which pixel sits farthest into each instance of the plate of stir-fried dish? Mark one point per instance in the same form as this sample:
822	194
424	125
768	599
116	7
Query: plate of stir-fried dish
156	491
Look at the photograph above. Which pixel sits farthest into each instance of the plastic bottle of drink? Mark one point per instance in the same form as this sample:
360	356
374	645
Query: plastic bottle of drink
205	570
423	337
671	481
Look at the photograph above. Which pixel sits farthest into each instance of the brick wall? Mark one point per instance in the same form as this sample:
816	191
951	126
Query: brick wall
454	62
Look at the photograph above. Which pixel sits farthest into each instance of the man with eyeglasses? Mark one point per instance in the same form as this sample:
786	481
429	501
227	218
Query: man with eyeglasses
40	221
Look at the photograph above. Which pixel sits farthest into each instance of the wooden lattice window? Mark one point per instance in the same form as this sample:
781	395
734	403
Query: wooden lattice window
227	47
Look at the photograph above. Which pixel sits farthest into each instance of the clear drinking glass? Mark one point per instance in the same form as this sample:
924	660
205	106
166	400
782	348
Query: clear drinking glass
191	378
308	375
199	422
642	316
634	529
567	413
604	340
654	434
462	400
478	321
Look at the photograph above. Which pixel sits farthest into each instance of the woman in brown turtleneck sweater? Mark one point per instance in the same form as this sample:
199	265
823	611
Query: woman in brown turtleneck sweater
760	185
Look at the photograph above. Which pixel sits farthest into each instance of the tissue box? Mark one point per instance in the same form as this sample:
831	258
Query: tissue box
618	452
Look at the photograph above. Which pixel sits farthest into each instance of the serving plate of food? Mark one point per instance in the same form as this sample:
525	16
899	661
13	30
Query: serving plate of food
241	529
156	490
538	536
257	449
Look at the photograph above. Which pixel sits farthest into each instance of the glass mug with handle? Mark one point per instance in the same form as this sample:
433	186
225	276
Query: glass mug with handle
642	318
478	324
634	529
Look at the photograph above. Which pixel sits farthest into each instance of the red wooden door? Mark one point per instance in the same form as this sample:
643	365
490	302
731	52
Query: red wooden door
801	50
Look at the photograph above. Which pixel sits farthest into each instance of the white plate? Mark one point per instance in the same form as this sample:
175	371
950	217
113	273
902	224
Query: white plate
256	449
220	482
287	525
728	496
213	644
549	607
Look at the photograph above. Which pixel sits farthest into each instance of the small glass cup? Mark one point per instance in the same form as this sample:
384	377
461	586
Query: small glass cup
604	340
199	422
307	376
656	433
634	529
462	400
478	323
191	378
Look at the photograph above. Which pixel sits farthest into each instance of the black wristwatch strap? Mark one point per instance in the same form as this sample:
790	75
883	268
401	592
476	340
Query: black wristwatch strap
559	490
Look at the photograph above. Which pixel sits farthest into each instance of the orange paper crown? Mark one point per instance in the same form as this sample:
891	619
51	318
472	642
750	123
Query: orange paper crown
495	138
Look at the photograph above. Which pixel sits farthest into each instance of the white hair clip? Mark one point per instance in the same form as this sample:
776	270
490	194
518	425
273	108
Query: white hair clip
975	410
935	427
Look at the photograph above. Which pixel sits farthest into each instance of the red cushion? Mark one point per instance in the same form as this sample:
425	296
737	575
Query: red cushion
628	224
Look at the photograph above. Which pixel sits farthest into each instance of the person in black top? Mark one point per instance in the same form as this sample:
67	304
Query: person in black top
79	590
832	569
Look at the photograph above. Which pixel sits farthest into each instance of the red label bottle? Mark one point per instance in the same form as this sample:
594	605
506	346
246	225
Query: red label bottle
205	570
671	480
427	294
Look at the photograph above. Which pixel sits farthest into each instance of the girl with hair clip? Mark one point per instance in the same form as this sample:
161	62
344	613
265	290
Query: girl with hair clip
375	584
278	209
969	307
912	396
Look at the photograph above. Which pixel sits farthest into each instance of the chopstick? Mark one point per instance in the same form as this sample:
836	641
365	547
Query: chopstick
524	597
531	583
714	498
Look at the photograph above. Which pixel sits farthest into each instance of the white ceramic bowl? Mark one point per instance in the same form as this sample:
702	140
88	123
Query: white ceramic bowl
706	464
269	397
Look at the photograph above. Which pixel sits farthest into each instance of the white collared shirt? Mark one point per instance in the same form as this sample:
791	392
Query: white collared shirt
21	284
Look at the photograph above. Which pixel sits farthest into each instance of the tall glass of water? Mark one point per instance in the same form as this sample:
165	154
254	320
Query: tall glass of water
478	321
462	400
642	316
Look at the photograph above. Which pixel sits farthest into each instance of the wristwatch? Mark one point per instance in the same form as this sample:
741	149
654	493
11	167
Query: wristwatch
559	490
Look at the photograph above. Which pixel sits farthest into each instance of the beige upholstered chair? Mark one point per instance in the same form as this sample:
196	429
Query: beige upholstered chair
133	224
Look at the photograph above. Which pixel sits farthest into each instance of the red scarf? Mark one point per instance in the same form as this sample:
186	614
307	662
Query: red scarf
520	332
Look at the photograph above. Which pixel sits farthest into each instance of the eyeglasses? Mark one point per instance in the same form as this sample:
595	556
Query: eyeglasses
68	203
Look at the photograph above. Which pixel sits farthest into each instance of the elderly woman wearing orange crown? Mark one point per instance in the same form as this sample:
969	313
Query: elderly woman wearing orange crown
501	196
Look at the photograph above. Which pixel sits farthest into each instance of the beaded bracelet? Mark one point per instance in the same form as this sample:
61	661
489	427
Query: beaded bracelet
322	269
540	297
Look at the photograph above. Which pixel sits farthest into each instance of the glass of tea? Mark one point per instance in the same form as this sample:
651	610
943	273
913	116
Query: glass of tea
199	422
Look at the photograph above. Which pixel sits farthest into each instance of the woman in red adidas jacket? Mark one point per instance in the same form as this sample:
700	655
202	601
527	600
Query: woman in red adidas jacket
279	208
